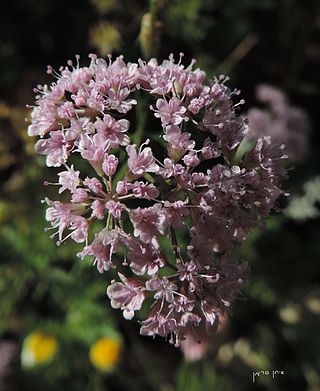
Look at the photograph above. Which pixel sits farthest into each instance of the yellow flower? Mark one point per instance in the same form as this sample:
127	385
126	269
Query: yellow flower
105	353
104	6
105	38
38	348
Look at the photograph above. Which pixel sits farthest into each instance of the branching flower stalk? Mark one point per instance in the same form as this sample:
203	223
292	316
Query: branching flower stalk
188	191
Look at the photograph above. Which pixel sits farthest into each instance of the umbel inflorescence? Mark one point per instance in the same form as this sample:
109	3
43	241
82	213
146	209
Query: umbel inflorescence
166	217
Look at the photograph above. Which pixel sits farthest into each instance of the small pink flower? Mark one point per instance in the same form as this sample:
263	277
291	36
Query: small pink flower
141	162
178	142
143	190
66	110
117	100
209	150
114	131
127	295
110	164
44	120
171	112
69	180
163	288
79	195
171	169
93	184
144	258
56	148
59	215
79	225
123	187
158	324
100	252
199	179
188	272
148	222
93	148
191	159
95	100
196	105
80	98
177	212
115	208
98	208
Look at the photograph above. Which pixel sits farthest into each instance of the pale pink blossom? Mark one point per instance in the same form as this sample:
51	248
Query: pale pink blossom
128	295
148	222
93	184
59	215
171	169
98	207
101	253
172	112
79	225
177	212
115	208
141	162
43	120
93	148
56	148
123	187
177	142
144	257
191	159
66	110
79	195
110	164
114	131
69	179
144	190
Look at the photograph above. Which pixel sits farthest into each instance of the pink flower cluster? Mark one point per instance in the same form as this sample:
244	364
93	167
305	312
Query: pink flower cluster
194	196
282	121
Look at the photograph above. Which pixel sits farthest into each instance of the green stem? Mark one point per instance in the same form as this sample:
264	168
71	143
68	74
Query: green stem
174	243
141	118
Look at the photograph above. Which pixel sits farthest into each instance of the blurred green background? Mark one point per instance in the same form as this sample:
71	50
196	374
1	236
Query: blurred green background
57	330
